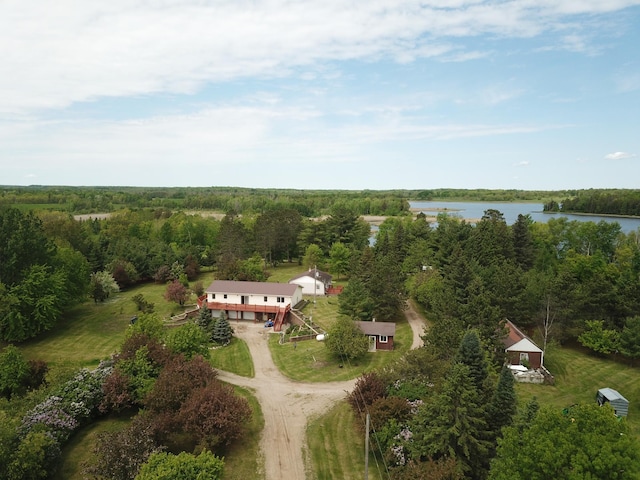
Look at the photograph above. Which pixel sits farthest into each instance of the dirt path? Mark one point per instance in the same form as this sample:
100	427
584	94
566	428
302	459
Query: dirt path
288	405
417	324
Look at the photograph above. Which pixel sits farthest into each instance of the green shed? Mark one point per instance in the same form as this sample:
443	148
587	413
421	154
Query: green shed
618	402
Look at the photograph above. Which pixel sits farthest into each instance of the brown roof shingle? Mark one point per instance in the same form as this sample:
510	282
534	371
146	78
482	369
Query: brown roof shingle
378	328
252	288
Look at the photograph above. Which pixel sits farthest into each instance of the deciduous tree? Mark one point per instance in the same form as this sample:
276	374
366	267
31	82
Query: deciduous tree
345	340
184	466
214	414
189	340
587	441
14	371
176	292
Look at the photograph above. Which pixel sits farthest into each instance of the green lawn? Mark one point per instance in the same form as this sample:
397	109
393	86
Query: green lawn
336	448
92	331
578	376
234	358
310	361
79	449
284	272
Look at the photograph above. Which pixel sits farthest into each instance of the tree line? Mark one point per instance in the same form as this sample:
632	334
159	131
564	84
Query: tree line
309	203
599	202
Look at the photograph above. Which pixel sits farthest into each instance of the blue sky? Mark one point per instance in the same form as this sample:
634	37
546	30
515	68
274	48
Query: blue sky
378	94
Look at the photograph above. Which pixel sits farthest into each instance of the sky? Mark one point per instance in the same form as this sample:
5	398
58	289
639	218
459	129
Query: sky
321	94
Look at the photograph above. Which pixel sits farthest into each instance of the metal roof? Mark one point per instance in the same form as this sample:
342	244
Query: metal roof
611	394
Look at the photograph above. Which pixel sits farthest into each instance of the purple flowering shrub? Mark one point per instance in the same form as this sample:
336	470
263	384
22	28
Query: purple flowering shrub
50	415
70	406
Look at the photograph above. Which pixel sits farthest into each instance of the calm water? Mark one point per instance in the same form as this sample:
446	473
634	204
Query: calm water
510	211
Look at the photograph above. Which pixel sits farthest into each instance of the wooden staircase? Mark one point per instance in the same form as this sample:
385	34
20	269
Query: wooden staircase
277	324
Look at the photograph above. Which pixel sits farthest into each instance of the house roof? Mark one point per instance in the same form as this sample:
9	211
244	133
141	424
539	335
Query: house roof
324	277
524	345
517	341
378	328
252	288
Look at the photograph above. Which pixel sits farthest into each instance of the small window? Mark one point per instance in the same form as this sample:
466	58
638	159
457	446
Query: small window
213	296
225	296
265	299
383	339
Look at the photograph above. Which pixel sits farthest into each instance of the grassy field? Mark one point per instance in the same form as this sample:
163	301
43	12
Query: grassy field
579	375
91	331
234	358
79	450
310	361
336	449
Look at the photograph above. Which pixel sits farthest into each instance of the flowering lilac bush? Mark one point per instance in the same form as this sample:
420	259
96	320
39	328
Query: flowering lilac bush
52	417
83	393
72	405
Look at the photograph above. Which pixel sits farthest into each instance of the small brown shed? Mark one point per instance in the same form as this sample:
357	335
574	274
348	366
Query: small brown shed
380	334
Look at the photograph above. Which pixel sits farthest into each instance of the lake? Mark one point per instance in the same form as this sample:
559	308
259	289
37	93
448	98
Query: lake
473	211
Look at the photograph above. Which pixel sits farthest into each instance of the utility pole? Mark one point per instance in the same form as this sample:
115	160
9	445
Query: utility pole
366	449
315	282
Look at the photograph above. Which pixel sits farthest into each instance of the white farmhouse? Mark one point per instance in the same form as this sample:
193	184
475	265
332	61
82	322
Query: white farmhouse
257	301
313	282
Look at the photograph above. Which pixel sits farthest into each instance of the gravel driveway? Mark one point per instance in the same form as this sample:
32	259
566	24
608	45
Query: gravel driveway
287	405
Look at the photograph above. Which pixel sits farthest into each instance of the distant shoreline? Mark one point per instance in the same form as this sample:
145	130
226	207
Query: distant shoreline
584	214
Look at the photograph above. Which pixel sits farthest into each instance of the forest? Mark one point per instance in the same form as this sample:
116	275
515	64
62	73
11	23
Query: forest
600	202
446	411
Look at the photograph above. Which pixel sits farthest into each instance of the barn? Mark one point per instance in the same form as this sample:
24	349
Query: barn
520	349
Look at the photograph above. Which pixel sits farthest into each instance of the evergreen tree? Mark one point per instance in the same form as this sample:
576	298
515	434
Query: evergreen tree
503	405
453	425
222	331
524	252
204	319
630	338
355	302
471	354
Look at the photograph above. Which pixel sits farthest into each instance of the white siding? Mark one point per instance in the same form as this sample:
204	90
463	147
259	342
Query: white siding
307	285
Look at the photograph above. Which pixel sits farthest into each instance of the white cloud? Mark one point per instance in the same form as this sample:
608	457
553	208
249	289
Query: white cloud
619	155
523	163
54	55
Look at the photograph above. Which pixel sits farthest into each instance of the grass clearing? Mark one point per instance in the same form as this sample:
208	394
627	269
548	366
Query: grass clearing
310	361
578	376
91	332
234	358
336	448
284	272
79	450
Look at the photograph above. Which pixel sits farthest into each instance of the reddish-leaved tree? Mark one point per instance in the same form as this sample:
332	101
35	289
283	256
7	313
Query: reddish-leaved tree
176	292
215	415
